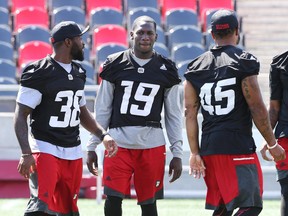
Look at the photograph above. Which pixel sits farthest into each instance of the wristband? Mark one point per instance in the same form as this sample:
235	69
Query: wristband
26	155
103	135
272	147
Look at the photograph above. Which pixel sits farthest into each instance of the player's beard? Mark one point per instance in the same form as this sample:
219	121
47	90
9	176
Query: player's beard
77	53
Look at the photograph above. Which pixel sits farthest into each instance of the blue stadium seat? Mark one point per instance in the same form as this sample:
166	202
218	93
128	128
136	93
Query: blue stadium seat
180	16
148	11
162	49
131	4
184	34
31	33
60	3
6	51
68	13
182	68
104	50
7	68
4	4
4	16
161	35
5	34
105	15
186	51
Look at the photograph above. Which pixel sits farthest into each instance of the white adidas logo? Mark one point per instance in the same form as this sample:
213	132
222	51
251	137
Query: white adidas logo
163	67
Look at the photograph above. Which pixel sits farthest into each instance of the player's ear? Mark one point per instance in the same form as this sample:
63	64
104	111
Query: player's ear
132	35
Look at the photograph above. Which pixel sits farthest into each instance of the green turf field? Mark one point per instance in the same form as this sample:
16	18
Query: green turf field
167	207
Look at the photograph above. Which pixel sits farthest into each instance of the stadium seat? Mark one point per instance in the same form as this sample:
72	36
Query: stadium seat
182	68
31	51
180	16
68	13
53	4
206	5
7	68
186	51
90	72
161	35
174	4
104	50
6	51
30	16
131	4
19	4
93	4
105	15
4	4
5	34
87	55
162	49
31	33
4	16
184	34
108	34
148	11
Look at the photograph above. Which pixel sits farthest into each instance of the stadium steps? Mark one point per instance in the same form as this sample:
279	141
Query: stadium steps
264	25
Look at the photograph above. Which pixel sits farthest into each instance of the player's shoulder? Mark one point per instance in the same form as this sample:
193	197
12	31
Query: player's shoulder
280	59
36	69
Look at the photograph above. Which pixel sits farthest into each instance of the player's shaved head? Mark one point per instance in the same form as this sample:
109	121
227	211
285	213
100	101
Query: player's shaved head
143	19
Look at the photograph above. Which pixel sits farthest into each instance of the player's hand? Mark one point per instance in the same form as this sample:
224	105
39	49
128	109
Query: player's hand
110	146
263	152
278	153
92	162
197	167
175	168
26	165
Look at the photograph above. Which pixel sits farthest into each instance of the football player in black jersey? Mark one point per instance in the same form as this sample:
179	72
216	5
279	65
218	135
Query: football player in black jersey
136	84
278	112
223	82
52	94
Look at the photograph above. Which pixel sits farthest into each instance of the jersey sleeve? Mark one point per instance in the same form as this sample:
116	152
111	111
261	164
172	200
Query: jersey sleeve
278	63
249	64
32	76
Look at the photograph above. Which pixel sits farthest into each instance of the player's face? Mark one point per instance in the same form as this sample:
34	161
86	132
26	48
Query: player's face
77	52
143	37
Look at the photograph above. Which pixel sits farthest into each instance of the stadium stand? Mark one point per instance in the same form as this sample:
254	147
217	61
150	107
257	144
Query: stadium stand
186	51
7	68
132	4
4	4
4	16
180	16
66	13
31	33
6	51
52	4
162	49
30	16
184	34
108	34
93	4
5	34
19	4
173	4
105	15
149	11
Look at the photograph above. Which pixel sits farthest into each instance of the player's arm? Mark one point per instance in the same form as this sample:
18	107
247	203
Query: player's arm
21	129
252	94
192	104
88	122
274	109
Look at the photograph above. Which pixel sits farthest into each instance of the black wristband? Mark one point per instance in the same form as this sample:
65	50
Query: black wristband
103	135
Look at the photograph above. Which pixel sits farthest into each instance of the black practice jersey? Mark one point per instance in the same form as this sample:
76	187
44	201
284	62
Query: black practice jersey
56	118
227	123
279	91
139	91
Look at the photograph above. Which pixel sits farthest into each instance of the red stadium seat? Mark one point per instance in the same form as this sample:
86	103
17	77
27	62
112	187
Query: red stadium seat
31	16
206	5
174	4
32	51
18	4
108	34
93	4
